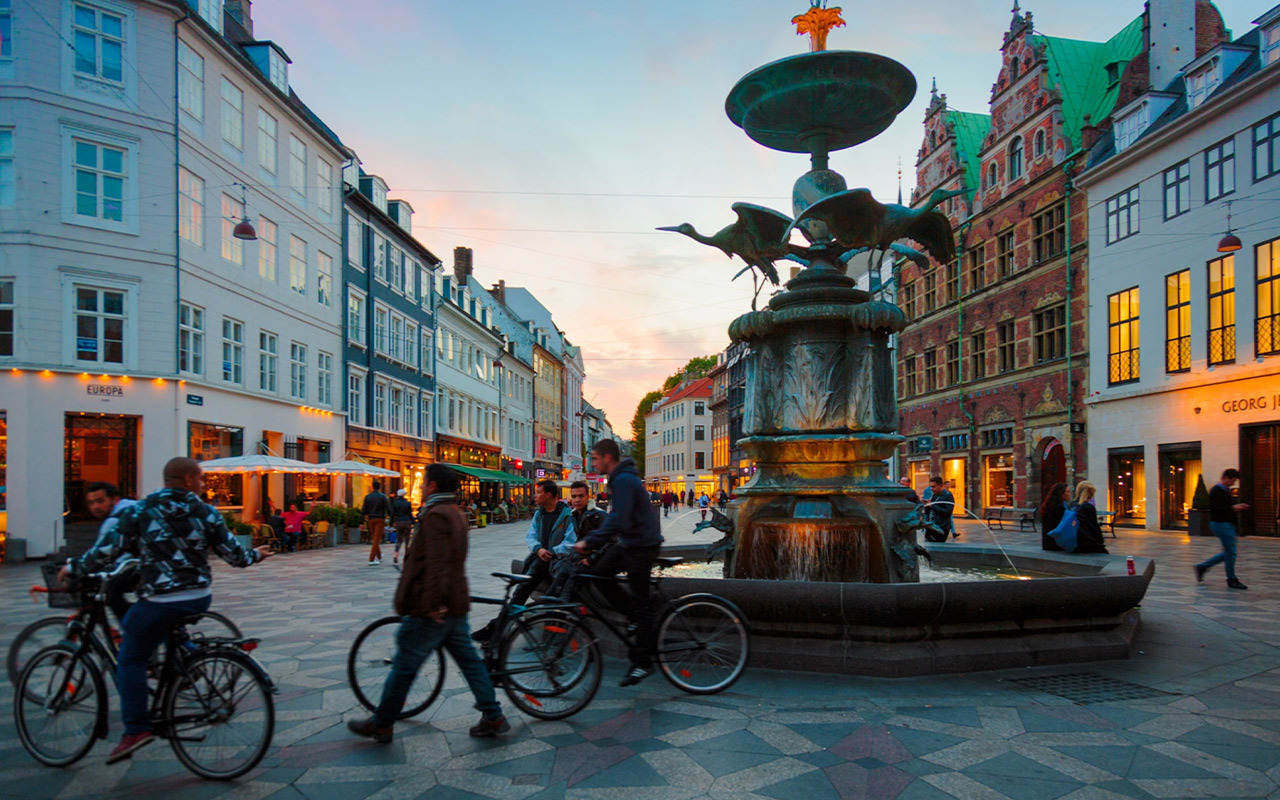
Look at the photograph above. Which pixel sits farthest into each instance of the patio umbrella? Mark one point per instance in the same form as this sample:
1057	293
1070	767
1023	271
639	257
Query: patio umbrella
241	465
351	467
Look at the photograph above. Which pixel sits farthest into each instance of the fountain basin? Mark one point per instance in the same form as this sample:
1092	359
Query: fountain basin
907	629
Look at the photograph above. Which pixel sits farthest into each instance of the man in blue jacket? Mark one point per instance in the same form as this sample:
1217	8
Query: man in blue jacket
637	527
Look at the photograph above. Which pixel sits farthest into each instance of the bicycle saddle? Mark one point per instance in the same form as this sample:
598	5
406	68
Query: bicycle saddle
512	578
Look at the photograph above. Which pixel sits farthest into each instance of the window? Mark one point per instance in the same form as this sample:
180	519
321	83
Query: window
953	362
267	361
355	318
1267	257
700	460
190	82
6	30
324	279
410	344
909	376
1039	143
1177	321
380	406
410	415
1050	328
297	165
380	245
1201	84
395	407
355	243
931	370
380	324
909	300
1269	52
396	336
1220	170
297	371
190	339
6	318
1049	233
1266	148
232	213
298	265
978	361
951	285
930	291
1004	254
699	433
355	398
99	180
267	233
279	70
99	44
7	194
1222	310
190	207
1127	479
267	129
211	10
1122	215
1130	127
997	437
324	186
1177	190
324	378
1006	346
426	353
232	351
1122	337
100	321
1015	158
977	267
991	175
232	115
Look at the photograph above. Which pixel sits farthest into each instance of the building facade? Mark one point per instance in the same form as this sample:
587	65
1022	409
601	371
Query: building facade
1185	376
719	405
571	404
678	453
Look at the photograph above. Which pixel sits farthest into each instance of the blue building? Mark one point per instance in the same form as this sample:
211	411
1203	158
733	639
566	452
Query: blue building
388	279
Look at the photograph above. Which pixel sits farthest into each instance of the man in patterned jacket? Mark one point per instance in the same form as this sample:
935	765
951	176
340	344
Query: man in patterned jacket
171	533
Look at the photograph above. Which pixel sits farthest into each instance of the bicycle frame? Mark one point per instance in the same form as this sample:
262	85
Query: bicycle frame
506	617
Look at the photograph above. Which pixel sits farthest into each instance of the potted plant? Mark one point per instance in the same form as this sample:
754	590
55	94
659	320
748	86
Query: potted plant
352	518
1198	515
243	532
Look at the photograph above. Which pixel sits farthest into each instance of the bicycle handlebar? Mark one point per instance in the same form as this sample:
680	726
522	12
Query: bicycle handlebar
122	566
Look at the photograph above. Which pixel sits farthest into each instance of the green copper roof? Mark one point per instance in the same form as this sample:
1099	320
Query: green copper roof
1079	69
970	130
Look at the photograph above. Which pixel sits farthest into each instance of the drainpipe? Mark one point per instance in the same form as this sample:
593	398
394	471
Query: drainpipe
1068	188
964	409
177	238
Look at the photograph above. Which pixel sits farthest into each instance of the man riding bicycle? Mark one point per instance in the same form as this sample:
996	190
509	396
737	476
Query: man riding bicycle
170	532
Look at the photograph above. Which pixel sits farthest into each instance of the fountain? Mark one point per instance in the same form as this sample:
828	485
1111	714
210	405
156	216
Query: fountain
823	552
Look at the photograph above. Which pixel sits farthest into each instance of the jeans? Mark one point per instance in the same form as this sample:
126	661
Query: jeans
404	534
145	627
541	572
637	563
1226	533
418	638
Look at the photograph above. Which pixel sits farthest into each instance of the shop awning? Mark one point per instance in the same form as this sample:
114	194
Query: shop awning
491	475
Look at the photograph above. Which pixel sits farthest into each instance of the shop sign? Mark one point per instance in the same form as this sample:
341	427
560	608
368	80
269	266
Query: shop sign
924	444
1077	427
104	390
87	345
542	473
1258	403
195	400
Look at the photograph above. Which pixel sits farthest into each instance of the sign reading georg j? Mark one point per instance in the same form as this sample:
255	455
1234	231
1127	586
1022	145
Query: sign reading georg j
103	391
1258	403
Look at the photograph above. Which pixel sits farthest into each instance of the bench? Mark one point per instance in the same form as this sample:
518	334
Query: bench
1108	519
999	515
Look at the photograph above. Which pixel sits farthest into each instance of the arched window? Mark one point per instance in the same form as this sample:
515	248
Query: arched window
1015	158
991	175
1039	143
933	140
1013	72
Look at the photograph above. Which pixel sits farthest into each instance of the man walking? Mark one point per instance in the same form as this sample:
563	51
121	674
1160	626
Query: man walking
434	599
402	519
374	511
636	526
704	503
1222	521
941	503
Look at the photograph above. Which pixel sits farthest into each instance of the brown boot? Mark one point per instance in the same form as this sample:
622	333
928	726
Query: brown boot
370	729
490	727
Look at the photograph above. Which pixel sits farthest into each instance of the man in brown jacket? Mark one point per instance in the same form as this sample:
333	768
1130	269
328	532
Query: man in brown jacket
434	599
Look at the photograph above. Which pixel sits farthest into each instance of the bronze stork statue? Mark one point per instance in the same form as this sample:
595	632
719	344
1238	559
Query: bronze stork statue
856	219
756	237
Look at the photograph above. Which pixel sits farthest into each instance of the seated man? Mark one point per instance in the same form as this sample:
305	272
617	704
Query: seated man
288	541
293	519
586	518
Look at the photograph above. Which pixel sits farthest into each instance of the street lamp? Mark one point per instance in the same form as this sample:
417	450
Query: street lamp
244	228
1229	243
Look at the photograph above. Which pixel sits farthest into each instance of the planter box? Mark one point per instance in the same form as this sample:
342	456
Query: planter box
353	535
1198	523
335	534
245	541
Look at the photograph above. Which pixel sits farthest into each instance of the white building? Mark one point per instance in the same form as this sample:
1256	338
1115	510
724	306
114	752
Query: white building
678	440
1185	376
574	374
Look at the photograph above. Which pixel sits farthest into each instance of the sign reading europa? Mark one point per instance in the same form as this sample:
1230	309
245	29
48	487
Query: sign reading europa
1259	403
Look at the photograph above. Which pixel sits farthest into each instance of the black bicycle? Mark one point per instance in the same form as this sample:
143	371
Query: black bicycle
545	669
211	699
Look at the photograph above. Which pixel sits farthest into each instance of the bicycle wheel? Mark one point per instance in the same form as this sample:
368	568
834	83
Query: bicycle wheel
30	640
209	625
60	706
369	663
218	714
551	665
702	644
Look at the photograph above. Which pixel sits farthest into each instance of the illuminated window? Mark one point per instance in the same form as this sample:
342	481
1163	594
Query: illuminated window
1267	257
1222	310
1122	337
1177	335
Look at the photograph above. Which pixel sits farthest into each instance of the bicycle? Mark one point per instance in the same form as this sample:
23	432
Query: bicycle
545	670
701	640
208	693
54	630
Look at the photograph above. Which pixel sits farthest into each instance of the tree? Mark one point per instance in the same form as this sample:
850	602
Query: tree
698	367
637	428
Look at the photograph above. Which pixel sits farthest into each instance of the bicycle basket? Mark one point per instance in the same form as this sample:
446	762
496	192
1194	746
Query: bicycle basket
59	595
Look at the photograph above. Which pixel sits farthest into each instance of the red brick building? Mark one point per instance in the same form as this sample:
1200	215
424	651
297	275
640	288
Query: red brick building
990	394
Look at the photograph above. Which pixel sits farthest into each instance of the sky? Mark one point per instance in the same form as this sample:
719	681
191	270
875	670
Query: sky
553	136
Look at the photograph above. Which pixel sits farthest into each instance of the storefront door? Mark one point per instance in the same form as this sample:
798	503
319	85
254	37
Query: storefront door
1260	478
955	474
96	448
1127	475
1053	468
997	479
1179	470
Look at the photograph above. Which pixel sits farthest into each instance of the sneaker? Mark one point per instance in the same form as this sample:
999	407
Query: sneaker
490	727
130	743
1200	573
370	729
1234	583
636	675
375	562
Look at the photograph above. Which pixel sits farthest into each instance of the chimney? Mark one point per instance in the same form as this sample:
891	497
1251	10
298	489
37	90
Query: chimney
1172	39
239	11
499	292
1089	133
461	264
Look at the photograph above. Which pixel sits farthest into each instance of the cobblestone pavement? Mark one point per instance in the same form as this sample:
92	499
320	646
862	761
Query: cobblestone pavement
1212	728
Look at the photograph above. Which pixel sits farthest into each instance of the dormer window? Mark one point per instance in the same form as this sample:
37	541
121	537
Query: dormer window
279	70
1131	126
211	12
1269	51
1201	84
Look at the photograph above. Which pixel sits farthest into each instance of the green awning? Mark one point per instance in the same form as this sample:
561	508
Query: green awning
492	475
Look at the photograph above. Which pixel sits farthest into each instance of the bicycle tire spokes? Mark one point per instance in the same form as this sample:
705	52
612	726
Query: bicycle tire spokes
551	666
369	664
702	646
57	707
220	715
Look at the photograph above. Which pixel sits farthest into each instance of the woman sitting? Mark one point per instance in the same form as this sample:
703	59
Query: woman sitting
1050	514
1089	534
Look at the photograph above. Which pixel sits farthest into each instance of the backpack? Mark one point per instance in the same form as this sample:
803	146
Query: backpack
1067	530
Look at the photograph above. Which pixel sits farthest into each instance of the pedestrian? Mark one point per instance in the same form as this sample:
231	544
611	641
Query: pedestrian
1222	521
433	598
941	504
1088	532
723	500
690	499
905	483
1050	514
704	503
666	503
402	521
374	512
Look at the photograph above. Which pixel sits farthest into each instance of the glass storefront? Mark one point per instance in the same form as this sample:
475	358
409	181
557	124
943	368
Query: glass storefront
955	473
1179	468
206	442
1260	478
1127	474
997	479
920	475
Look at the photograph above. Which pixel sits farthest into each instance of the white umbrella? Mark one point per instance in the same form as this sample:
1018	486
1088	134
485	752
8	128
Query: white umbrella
257	464
351	467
